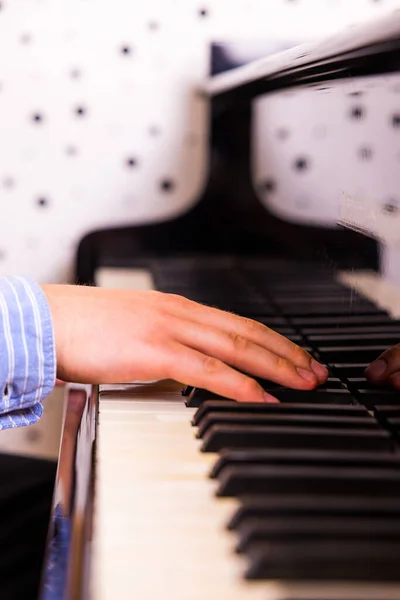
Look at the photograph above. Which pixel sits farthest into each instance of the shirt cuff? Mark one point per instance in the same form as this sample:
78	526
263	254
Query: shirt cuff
27	351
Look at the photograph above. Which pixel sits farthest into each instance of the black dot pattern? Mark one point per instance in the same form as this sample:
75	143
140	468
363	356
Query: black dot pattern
154	131
396	120
390	208
282	133
302	163
268	186
37	118
357	112
167	185
42	202
8	183
80	111
71	150
365	153
131	162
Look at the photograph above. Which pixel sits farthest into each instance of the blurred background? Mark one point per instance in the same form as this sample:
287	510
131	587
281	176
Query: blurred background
103	124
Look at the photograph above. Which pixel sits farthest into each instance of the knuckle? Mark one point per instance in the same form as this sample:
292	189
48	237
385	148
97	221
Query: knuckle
249	387
211	365
298	354
252	326
281	363
238	342
177	299
155	295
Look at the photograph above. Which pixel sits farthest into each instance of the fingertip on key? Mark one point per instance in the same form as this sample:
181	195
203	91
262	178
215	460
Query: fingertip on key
319	370
377	369
306	375
271	399
395	380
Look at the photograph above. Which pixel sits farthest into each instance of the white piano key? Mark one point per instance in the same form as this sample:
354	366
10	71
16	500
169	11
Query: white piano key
159	531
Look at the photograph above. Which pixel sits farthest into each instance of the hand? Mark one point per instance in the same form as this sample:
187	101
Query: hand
117	336
386	368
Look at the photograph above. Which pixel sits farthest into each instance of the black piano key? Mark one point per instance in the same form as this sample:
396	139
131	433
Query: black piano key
329	309
341	320
260	506
318	560
199	395
350	330
317	479
336	299
354	339
371	397
331	383
361	383
285	331
274	419
346	370
394	423
389	410
243	308
278	289
187	390
260	456
357	354
339	410
319	395
297	339
243	436
326	528
274	322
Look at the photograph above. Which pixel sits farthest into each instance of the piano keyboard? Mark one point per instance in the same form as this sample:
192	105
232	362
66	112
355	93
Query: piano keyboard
201	497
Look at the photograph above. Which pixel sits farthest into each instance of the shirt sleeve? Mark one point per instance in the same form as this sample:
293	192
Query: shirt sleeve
27	351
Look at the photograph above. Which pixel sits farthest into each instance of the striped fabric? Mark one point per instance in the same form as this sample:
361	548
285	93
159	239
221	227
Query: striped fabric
27	351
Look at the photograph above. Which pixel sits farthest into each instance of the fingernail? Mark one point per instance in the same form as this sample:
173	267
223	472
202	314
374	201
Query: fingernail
377	368
307	375
269	398
320	371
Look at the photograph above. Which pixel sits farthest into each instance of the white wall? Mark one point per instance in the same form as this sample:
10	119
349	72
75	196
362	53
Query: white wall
67	174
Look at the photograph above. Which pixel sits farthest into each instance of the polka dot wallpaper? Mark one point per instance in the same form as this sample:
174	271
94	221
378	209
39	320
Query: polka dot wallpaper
102	122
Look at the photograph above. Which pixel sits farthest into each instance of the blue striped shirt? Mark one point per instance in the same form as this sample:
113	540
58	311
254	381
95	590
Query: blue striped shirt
27	351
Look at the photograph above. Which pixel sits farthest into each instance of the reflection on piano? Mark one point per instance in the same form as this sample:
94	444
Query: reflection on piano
200	497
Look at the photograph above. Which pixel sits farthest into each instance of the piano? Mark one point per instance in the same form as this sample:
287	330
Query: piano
165	491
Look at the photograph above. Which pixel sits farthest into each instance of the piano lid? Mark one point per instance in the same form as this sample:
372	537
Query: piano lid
372	47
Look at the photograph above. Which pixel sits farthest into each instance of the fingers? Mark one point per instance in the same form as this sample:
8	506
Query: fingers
386	368
200	370
243	354
239	329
